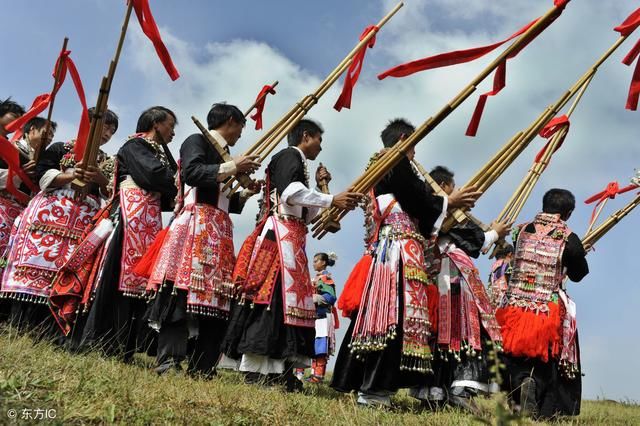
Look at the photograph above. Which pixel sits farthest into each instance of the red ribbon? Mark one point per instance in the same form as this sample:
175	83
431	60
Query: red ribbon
468	55
150	29
67	65
625	29
353	73
610	191
40	103
9	154
260	100
551	129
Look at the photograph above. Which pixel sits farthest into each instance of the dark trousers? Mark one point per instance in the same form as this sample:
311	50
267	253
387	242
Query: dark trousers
203	350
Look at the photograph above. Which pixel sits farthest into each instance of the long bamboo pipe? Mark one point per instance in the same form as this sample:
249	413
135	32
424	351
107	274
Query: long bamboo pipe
514	206
393	156
594	235
499	163
97	123
270	140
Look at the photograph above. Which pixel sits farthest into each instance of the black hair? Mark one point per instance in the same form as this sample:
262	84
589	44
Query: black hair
110	117
221	112
397	128
38	123
294	138
442	175
558	201
8	106
153	115
326	259
504	250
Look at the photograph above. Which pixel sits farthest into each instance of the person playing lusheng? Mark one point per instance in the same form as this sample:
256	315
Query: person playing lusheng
500	272
191	276
274	333
144	188
466	318
327	321
537	317
387	343
50	227
10	207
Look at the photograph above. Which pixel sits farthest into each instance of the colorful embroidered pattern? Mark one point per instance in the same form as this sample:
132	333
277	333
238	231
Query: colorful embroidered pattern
297	294
537	265
49	231
206	262
141	221
399	242
9	211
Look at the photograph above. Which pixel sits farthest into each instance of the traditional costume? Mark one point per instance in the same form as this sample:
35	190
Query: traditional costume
13	199
145	188
387	344
538	318
498	280
326	324
191	275
272	330
46	235
466	320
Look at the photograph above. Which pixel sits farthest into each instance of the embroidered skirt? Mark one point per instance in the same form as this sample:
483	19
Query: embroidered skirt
47	234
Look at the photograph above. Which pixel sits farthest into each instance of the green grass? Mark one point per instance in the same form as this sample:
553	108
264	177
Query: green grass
91	389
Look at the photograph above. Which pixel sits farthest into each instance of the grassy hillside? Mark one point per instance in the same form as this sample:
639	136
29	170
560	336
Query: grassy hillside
92	389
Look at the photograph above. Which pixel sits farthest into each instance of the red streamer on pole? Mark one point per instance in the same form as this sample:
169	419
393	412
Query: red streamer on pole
468	55
150	29
612	189
260	101
9	153
41	102
551	129
627	27
353	73
67	65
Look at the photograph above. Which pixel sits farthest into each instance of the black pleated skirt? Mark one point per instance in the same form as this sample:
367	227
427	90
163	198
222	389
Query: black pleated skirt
260	330
376	372
116	323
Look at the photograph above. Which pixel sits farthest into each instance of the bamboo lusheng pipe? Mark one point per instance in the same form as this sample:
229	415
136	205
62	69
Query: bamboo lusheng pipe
244	179
97	123
56	79
594	236
264	95
439	191
323	185
434	185
514	206
493	169
270	140
393	156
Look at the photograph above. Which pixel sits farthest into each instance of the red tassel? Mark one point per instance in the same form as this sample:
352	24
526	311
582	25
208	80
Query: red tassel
349	300
530	335
146	262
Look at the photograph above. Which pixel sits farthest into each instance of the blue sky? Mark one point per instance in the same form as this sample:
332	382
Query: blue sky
228	50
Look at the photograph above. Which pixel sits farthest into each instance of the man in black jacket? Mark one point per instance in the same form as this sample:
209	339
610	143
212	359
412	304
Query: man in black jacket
193	271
